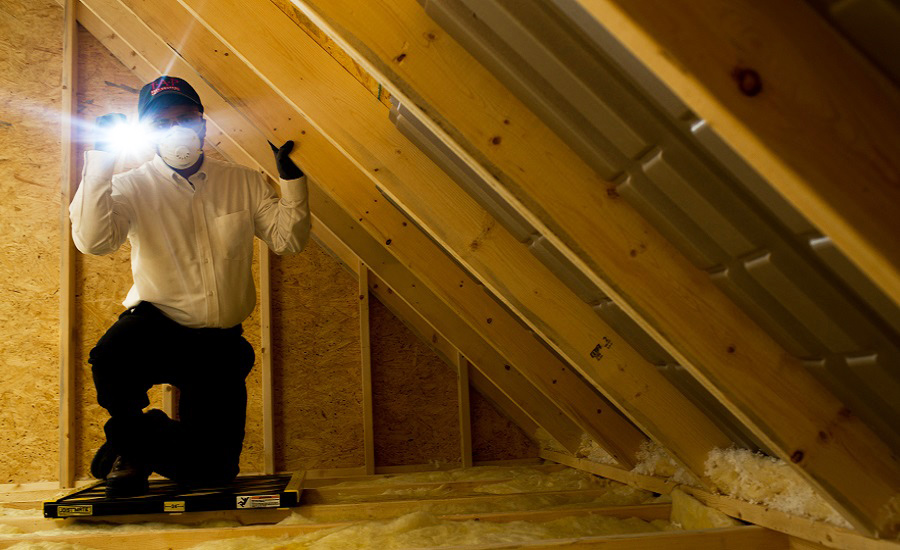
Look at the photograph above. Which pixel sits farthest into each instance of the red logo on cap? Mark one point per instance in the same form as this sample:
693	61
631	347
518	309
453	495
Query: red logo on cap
163	85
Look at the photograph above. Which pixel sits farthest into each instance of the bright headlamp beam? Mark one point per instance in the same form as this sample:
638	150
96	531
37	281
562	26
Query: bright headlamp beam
128	137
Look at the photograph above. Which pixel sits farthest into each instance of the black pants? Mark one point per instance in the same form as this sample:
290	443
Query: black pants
208	366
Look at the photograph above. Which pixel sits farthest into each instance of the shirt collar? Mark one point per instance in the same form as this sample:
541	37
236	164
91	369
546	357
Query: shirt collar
171	174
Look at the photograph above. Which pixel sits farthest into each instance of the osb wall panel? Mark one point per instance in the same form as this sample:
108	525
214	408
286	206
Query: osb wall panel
105	85
30	57
414	396
494	437
316	352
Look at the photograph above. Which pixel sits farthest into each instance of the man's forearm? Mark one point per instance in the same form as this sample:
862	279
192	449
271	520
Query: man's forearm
94	227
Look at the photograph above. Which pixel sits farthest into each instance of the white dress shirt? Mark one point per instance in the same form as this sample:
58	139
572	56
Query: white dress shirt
191	240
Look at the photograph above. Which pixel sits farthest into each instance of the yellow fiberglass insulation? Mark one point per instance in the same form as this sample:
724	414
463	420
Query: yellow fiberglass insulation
689	513
419	529
497	480
761	479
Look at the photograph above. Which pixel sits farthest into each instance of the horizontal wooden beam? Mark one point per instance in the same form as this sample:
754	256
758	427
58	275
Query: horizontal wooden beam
676	303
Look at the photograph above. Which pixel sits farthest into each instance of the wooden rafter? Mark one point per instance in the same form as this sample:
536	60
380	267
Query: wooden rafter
467	232
675	302
808	149
263	106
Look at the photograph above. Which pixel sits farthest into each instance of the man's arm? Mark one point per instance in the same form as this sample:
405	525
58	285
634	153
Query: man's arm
284	224
99	221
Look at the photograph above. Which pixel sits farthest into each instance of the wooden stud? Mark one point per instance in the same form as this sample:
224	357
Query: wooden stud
69	183
677	304
170	397
265	319
366	352
465	421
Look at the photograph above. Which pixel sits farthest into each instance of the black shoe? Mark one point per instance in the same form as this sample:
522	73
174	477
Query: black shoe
127	479
103	461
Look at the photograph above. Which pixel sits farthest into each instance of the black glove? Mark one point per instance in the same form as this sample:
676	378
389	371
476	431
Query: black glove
286	167
101	130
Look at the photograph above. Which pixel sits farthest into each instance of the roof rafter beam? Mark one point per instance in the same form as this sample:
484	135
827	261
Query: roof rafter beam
279	51
751	70
676	303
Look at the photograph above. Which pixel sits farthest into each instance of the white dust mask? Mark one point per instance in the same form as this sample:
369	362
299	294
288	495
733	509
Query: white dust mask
180	147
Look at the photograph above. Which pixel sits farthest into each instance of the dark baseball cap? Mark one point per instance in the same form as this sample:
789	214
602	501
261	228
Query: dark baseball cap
164	92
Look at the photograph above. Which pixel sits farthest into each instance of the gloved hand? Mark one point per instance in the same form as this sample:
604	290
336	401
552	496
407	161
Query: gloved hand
101	130
286	167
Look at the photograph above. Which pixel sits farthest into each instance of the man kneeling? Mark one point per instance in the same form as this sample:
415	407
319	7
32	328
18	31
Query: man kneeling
191	223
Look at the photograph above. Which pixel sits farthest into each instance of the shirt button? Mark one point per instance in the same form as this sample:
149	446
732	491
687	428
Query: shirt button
206	260
210	293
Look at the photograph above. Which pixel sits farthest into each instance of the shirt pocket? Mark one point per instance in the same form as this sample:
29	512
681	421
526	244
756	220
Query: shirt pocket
235	235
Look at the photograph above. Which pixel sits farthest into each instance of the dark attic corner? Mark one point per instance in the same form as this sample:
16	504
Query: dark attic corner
574	273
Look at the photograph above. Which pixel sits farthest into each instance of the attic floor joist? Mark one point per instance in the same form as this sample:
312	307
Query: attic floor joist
342	181
633	263
463	228
231	132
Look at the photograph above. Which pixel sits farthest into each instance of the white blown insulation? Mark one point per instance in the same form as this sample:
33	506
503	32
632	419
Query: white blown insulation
761	479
